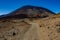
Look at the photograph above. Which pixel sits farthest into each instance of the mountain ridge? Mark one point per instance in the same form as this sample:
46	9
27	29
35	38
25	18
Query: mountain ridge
25	8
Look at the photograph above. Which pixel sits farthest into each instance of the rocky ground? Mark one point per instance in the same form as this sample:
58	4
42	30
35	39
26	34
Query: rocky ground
30	29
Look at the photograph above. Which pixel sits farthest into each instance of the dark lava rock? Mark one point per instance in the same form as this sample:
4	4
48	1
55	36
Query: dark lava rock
29	12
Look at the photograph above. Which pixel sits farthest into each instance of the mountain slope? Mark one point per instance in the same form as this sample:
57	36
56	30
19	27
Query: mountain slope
29	11
27	24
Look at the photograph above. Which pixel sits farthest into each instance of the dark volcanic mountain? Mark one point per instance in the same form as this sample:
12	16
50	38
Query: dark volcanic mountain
33	26
29	12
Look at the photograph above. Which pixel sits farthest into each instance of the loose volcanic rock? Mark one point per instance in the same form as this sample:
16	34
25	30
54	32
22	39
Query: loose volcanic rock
30	23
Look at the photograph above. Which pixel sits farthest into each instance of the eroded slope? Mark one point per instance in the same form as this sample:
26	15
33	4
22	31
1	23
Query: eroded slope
28	29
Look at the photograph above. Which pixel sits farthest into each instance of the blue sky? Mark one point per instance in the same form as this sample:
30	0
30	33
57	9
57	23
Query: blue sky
7	6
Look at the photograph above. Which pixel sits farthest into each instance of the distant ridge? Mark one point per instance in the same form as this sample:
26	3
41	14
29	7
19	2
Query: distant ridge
24	12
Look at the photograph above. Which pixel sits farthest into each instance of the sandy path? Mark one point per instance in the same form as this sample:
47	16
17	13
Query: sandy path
33	32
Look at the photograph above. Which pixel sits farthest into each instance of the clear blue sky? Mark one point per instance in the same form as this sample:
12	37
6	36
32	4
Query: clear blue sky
7	6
